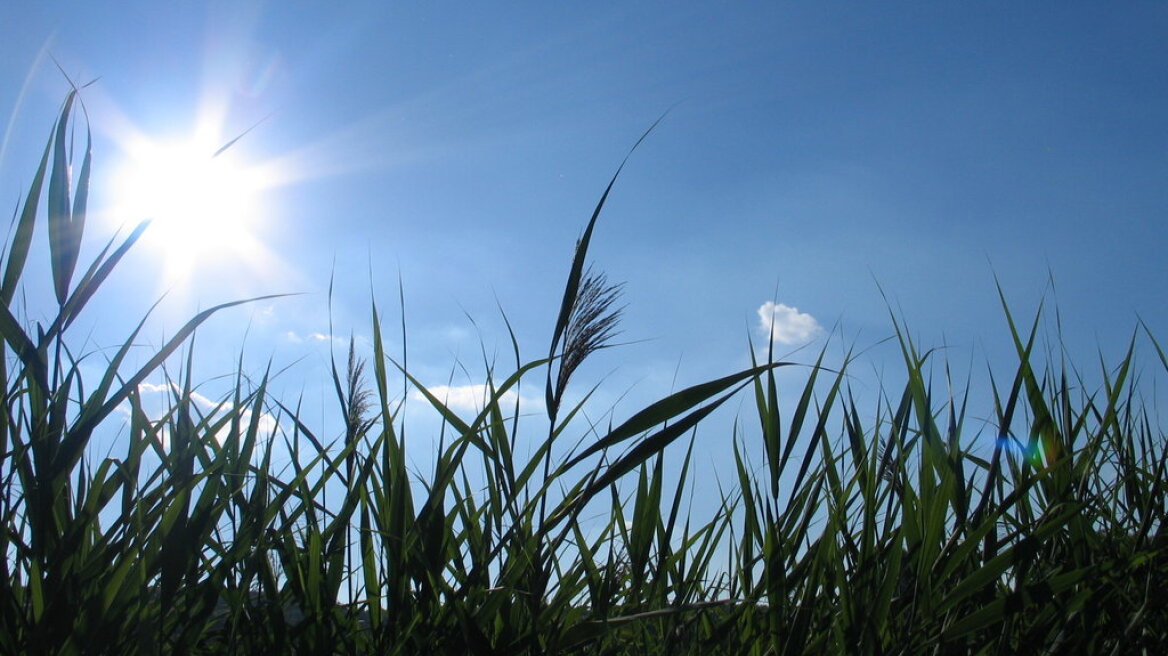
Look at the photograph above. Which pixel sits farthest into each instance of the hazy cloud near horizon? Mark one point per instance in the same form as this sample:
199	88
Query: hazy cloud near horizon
786	324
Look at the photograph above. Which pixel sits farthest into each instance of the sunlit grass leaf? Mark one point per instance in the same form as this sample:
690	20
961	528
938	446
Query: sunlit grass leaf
64	229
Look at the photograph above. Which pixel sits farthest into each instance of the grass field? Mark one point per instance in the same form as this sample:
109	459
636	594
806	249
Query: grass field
888	533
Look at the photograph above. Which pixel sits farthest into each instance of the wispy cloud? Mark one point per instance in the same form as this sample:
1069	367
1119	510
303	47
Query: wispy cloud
471	398
321	338
787	325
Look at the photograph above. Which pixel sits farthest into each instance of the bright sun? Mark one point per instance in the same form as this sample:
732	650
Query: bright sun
202	200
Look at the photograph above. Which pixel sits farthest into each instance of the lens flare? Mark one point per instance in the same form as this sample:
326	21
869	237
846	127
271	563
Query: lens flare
1037	451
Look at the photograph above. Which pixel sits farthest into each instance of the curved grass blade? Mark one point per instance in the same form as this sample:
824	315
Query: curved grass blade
32	360
668	408
93	414
98	271
25	227
644	450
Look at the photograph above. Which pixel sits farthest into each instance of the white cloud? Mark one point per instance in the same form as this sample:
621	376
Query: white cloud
199	399
786	324
267	423
469	397
319	338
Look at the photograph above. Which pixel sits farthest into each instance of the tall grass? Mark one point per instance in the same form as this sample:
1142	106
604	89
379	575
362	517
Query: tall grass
849	529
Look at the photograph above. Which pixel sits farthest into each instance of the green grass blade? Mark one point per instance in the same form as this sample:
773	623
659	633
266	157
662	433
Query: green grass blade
18	250
62	243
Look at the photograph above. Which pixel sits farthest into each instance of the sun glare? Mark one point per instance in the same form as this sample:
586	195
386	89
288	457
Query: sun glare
202	200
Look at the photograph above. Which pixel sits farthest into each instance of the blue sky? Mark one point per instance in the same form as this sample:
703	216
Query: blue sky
813	153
